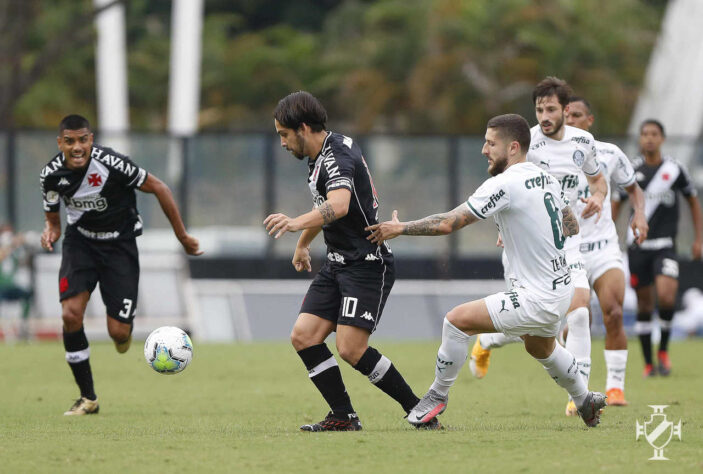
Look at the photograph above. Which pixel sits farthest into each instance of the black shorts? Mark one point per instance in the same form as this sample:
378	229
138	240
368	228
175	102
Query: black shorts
112	263
352	294
645	265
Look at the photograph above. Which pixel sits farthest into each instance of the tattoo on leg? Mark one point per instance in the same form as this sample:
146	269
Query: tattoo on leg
328	215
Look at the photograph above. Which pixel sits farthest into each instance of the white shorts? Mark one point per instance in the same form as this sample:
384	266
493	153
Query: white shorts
578	269
518	312
601	256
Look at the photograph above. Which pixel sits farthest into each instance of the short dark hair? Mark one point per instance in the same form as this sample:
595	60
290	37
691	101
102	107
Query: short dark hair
513	127
576	98
550	86
298	108
653	122
73	122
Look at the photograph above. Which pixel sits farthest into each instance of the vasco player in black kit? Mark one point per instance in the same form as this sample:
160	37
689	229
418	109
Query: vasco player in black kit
349	292
654	268
97	187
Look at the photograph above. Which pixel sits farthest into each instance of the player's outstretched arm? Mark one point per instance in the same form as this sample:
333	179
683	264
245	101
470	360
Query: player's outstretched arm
52	230
436	224
570	224
154	185
334	208
639	224
695	205
594	203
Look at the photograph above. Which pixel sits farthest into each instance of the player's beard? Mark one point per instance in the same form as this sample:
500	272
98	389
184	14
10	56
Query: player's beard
498	166
297	151
558	125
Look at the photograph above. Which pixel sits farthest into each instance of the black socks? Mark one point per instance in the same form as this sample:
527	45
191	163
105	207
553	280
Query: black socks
325	374
382	373
77	356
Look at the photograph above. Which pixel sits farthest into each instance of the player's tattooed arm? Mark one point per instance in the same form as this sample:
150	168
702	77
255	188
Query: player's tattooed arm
334	208
436	224
441	224
327	212
570	225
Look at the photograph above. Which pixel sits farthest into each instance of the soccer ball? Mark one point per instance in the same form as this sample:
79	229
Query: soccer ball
168	350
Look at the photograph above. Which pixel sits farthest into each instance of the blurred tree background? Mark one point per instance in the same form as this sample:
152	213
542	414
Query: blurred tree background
418	66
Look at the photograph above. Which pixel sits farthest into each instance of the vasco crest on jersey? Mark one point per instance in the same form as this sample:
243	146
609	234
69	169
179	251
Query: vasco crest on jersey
579	158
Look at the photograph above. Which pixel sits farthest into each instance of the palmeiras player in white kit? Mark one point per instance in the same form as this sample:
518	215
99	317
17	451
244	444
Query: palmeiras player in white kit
567	153
601	252
350	290
96	185
533	220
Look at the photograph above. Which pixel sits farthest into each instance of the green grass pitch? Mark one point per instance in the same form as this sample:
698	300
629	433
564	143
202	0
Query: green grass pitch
237	408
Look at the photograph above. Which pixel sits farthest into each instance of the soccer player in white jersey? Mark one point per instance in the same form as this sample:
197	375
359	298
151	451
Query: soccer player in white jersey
568	154
600	250
527	206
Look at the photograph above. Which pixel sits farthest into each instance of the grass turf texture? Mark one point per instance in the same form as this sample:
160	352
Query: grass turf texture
237	408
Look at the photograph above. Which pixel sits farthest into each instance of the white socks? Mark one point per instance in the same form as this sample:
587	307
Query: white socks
561	366
578	341
615	362
450	357
492	340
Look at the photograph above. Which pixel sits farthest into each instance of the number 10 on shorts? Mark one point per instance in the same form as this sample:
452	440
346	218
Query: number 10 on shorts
349	306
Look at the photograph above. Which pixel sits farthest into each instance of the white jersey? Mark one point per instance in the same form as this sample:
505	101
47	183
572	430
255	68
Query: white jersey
617	170
567	160
526	204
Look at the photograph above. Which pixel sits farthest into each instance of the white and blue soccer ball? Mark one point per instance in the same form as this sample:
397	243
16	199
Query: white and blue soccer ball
168	350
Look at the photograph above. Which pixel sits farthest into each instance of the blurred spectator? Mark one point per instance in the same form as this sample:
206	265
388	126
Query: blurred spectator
13	255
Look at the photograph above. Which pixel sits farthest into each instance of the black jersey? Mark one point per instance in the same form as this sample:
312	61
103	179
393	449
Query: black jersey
340	164
661	185
100	199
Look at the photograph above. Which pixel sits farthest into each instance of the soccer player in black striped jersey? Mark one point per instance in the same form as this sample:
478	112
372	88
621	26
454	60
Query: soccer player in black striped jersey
654	268
350	291
96	185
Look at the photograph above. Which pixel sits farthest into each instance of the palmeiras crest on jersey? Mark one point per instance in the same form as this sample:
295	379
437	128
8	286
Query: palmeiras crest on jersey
658	431
579	158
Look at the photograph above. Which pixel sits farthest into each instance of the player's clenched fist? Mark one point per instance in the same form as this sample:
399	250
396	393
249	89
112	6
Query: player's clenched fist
191	245
301	259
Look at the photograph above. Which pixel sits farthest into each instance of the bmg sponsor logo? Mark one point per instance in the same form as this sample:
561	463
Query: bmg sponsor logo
88	203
